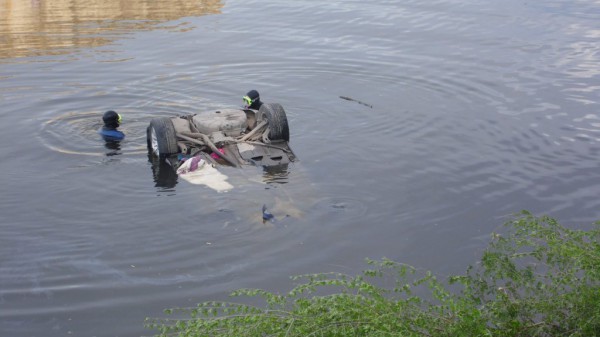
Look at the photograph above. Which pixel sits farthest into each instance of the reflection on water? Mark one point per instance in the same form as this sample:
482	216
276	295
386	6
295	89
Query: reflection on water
276	174
164	175
38	27
114	147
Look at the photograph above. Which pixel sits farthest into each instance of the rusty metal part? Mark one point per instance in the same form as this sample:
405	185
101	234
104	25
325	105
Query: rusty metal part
211	145
254	131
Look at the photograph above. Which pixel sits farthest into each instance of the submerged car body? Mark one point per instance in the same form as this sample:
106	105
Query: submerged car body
234	137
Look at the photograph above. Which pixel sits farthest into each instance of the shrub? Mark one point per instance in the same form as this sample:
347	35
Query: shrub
541	279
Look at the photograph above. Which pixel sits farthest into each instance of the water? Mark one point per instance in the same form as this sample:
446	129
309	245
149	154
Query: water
478	110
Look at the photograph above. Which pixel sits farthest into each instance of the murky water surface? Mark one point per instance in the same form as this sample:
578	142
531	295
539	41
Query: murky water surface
473	110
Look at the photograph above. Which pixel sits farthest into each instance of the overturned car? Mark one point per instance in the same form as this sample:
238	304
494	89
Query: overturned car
233	137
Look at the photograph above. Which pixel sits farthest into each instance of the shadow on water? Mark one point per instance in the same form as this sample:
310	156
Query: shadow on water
38	27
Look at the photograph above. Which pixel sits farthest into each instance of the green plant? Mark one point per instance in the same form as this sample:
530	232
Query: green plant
541	279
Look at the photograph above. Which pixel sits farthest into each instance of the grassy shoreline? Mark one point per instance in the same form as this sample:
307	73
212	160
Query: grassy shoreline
541	279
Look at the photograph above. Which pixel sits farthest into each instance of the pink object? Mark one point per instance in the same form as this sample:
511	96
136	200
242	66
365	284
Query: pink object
216	156
194	164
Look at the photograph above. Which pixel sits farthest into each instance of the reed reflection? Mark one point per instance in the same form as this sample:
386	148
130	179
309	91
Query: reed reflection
44	27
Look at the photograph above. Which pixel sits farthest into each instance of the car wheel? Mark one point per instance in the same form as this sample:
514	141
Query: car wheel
274	114
161	138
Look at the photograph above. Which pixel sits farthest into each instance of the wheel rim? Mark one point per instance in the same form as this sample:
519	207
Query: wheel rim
154	142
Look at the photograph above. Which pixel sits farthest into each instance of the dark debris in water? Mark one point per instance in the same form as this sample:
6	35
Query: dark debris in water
266	215
357	101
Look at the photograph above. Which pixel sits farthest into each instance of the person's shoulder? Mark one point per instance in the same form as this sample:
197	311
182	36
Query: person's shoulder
111	134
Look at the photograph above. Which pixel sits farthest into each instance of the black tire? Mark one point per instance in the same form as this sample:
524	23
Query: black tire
161	138
274	114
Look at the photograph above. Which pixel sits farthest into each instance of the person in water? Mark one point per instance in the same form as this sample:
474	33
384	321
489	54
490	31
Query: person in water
252	100
109	131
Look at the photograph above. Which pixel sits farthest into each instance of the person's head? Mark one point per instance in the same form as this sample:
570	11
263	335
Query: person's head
252	100
111	119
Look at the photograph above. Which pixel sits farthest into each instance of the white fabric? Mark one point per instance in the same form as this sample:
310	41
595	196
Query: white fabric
204	174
